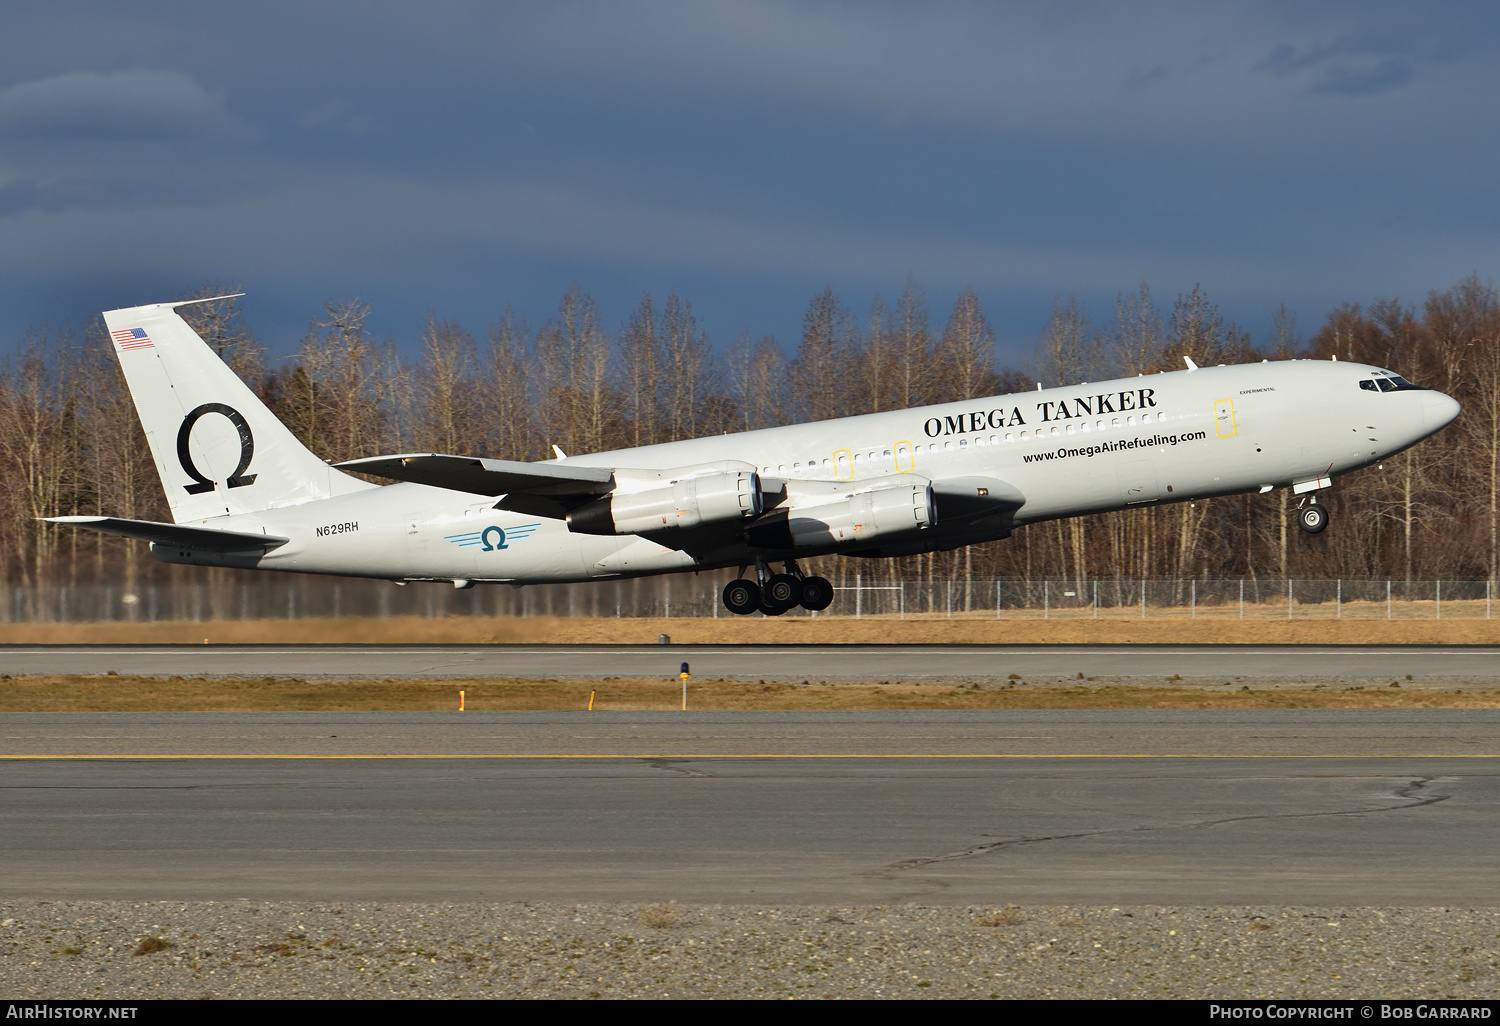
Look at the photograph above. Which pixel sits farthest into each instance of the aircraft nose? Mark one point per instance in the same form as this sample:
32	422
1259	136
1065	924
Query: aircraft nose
1439	410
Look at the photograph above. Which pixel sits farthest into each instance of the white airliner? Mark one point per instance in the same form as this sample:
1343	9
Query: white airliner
245	493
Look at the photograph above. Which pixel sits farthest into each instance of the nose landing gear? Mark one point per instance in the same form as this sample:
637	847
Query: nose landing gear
777	593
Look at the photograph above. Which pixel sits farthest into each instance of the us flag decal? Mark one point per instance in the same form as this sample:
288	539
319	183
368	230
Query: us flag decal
131	338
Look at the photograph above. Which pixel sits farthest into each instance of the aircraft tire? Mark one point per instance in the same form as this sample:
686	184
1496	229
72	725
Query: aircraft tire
782	591
772	610
816	593
742	597
1312	518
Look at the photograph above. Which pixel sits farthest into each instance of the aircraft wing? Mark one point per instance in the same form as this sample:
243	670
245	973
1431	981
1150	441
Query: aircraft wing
205	539
544	489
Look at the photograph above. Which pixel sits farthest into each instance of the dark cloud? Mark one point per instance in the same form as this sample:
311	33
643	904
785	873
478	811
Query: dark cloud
467	155
1339	68
87	105
1364	80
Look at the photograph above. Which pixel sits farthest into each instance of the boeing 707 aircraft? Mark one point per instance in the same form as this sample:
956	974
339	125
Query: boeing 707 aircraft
244	492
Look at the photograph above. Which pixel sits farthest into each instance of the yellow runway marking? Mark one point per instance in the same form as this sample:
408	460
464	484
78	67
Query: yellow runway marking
784	755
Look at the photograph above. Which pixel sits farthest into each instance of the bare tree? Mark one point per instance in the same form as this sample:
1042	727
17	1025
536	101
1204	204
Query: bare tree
447	408
758	381
640	353
573	364
966	352
1285	342
820	369
1069	351
1138	336
1197	328
688	367
505	402
911	349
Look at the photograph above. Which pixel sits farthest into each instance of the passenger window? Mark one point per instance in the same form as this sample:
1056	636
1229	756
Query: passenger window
1009	437
1115	422
796	466
1130	421
948	446
886	453
963	443
859	457
781	469
1054	432
1025	435
1100	425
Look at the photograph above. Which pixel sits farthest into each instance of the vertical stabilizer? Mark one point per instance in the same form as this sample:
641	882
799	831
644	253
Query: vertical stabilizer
217	447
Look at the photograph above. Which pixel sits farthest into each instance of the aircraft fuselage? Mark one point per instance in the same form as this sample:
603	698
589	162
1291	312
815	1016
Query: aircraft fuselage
1057	452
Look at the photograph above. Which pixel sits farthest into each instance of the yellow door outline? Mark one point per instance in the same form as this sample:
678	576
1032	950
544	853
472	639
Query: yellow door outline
906	460
843	465
1224	418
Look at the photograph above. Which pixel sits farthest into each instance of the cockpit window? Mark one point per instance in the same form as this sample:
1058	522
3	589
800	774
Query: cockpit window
1391	383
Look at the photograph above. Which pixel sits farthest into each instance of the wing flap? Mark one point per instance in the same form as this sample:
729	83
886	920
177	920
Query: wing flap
205	539
488	477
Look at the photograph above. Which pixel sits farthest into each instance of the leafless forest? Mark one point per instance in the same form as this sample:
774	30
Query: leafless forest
70	442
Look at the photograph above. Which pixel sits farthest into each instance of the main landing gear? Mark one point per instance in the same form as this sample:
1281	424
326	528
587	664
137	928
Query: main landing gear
777	593
1312	517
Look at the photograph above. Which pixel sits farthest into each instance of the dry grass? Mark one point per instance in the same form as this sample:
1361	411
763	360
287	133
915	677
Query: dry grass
1007	916
792	630
151	945
660	917
181	694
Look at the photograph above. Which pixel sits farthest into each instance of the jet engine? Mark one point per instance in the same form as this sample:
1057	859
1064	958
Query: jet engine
646	501
875	511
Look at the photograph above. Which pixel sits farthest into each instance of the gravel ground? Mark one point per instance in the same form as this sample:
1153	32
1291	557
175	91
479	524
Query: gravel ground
99	949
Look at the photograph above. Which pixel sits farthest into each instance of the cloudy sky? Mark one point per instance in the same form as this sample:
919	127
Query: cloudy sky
461	157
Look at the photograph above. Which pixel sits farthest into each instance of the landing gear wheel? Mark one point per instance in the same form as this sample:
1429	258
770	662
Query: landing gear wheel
782	591
741	597
816	593
1312	518
770	610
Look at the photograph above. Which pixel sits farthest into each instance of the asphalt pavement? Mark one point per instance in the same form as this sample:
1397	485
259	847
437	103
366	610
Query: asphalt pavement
1477	663
1357	807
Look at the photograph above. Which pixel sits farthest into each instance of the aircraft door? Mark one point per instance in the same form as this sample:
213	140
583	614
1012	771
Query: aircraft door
1224	418
416	541
1138	482
906	460
843	465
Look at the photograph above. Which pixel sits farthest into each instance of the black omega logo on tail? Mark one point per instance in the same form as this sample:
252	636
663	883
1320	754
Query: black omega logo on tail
247	448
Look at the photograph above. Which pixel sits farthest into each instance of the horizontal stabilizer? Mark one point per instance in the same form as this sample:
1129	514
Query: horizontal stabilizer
204	539
488	477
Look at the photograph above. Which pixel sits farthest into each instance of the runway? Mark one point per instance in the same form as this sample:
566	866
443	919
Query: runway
1474	663
990	734
1357	807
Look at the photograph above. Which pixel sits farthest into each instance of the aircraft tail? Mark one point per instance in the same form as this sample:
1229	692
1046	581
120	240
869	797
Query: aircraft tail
217	447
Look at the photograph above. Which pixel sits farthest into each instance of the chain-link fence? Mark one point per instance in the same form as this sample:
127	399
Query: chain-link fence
286	597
